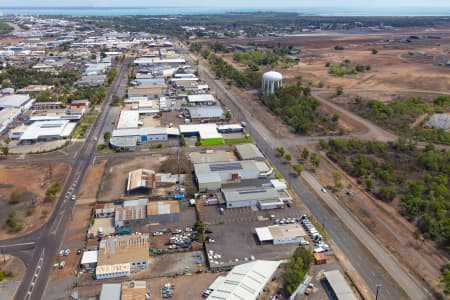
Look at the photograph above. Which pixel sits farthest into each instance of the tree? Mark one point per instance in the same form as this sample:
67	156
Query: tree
287	157
6	83
339	91
107	137
296	269
280	151
337	180
227	116
14	222
369	184
374	51
305	154
445	278
314	160
4	149
298	169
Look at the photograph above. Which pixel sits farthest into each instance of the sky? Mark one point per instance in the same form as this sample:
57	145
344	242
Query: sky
228	3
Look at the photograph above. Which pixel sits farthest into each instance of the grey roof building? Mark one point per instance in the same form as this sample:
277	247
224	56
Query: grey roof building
248	196
248	152
206	112
209	174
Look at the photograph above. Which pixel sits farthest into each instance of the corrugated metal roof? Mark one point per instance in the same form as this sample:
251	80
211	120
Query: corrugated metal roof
110	291
89	257
249	151
339	285
204	112
245	281
250	194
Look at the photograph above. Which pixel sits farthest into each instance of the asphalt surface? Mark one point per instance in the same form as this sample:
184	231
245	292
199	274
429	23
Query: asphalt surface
347	238
39	248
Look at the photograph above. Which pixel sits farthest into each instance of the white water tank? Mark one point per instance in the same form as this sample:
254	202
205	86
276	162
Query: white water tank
271	81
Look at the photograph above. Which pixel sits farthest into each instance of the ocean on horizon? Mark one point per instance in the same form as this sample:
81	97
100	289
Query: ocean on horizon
191	10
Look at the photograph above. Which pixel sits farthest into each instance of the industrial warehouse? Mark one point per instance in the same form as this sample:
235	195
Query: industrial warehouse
211	176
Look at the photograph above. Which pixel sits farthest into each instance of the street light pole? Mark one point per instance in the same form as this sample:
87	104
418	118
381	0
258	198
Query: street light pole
378	288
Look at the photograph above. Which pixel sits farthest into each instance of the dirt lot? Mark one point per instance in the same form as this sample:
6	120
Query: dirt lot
114	181
176	263
38	178
91	183
387	74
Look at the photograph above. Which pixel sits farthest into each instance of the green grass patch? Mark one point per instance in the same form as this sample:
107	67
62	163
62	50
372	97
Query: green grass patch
320	228
277	173
4	28
104	149
86	121
245	140
212	142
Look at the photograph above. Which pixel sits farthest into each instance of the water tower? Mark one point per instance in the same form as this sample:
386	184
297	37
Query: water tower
271	81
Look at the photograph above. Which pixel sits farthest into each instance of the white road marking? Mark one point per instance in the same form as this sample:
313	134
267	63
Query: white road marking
22	244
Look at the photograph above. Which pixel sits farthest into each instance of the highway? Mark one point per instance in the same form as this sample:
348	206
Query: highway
39	248
384	269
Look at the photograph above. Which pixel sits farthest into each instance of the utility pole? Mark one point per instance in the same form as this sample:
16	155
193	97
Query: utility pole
378	288
4	258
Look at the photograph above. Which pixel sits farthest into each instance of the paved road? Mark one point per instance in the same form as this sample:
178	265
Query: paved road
38	249
349	239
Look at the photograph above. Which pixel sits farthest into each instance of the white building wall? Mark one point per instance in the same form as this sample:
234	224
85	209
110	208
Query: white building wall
286	240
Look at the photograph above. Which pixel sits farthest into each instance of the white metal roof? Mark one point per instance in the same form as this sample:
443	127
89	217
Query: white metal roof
48	129
201	112
263	234
340	287
152	60
89	257
278	184
201	98
110	291
128	119
245	281
205	131
129	132
14	100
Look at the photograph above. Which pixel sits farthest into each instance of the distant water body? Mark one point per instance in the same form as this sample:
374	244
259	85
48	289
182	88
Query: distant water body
191	10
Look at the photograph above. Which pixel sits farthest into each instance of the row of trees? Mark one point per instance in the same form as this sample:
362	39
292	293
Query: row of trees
222	69
298	266
417	178
22	77
299	109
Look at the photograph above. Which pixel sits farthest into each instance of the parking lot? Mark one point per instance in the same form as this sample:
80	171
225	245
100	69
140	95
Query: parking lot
187	219
211	214
235	237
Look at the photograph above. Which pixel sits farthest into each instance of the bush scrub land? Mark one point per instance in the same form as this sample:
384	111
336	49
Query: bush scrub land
299	109
400	114
415	180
